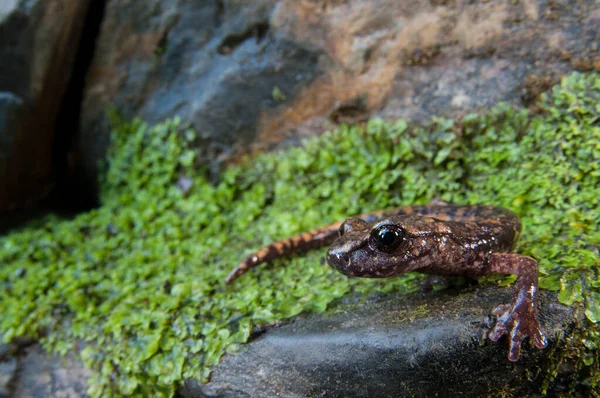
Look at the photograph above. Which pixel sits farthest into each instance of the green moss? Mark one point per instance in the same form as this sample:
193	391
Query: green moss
277	94
140	279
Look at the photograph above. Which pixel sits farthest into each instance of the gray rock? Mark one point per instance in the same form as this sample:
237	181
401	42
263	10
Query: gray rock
7	374
8	368
43	375
215	64
26	370
423	345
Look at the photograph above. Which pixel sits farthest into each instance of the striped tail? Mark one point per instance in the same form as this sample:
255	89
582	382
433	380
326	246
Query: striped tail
296	244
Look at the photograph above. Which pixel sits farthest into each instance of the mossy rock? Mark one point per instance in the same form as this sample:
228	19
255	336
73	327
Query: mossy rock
140	279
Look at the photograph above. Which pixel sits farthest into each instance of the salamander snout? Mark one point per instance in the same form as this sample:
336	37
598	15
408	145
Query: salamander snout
342	253
337	257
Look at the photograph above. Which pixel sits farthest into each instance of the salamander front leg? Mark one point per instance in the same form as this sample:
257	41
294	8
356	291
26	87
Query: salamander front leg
518	319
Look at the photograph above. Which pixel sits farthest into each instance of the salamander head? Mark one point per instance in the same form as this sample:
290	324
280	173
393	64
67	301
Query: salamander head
377	250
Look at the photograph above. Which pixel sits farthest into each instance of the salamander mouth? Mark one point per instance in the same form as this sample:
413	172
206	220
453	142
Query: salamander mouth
359	264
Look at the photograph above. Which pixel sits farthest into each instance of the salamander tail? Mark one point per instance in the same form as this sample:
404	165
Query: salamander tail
306	241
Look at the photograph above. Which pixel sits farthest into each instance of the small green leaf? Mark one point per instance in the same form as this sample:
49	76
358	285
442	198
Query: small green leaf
441	155
592	306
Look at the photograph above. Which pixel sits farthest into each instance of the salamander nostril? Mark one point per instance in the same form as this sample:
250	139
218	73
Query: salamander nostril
337	258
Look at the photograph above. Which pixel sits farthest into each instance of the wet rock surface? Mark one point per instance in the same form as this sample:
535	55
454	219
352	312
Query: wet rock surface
416	345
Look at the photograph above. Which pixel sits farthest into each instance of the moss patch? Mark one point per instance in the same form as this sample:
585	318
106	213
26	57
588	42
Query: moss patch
140	279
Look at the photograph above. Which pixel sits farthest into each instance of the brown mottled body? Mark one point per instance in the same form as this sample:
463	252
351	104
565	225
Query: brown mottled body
441	239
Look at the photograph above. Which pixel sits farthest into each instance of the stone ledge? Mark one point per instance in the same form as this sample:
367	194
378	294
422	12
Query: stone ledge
402	345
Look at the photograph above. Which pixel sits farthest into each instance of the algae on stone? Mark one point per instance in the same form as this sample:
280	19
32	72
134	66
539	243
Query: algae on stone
140	278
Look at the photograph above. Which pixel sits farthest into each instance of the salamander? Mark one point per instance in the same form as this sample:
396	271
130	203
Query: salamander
441	239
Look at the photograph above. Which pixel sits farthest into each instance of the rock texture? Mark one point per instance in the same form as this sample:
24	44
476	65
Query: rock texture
52	376
251	75
37	41
7	372
216	64
418	345
256	75
8	369
422	345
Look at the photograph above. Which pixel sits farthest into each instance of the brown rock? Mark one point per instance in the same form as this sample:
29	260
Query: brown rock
218	65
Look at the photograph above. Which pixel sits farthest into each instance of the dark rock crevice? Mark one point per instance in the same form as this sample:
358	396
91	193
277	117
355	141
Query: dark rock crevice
72	193
219	12
43	43
257	31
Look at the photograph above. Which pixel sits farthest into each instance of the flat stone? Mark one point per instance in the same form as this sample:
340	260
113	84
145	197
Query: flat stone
52	376
402	345
8	370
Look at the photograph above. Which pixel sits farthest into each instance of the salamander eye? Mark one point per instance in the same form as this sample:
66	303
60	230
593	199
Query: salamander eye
387	237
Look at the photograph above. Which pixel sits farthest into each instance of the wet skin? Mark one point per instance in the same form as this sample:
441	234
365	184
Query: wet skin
441	239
